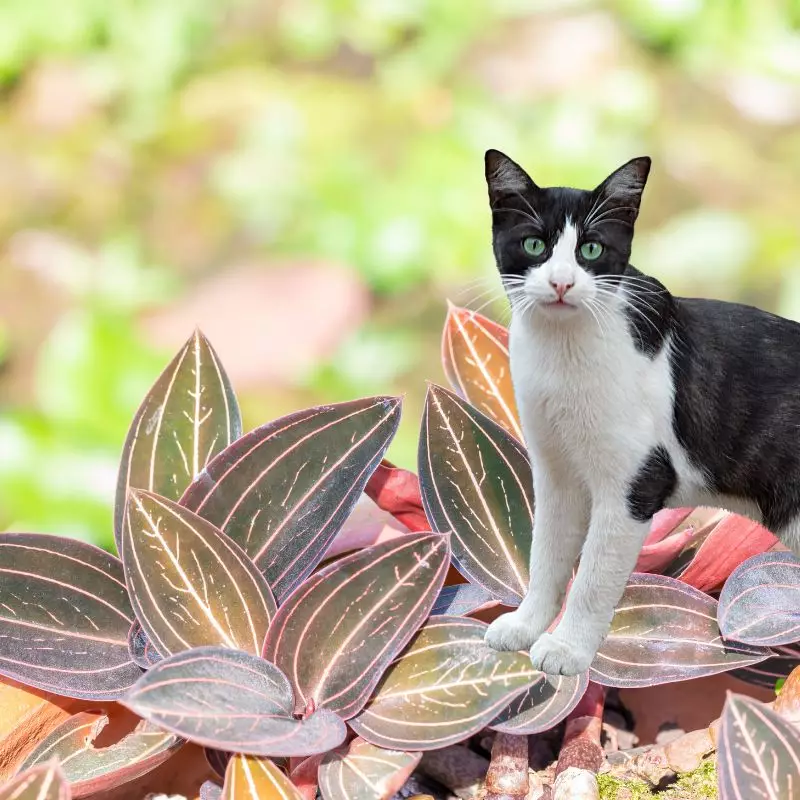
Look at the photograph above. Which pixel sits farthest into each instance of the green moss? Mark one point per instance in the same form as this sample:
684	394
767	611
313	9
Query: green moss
610	789
700	784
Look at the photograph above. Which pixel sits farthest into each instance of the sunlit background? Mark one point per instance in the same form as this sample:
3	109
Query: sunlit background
303	179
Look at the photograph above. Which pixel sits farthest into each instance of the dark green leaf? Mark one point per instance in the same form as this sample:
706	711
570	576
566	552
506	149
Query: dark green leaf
91	771
665	631
462	599
476	481
782	660
44	782
257	778
190	585
231	700
189	416
284	490
445	686
141	648
543	705
758	752
362	771
760	602
217	760
338	632
64	617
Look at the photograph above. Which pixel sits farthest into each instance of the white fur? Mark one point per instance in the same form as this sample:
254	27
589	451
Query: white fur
592	408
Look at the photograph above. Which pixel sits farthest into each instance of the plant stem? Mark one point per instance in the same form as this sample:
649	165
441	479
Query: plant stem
507	777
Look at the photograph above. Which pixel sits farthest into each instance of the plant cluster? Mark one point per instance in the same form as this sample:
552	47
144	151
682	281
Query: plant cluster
231	621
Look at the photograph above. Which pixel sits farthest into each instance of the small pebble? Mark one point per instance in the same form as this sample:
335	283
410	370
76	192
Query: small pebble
576	784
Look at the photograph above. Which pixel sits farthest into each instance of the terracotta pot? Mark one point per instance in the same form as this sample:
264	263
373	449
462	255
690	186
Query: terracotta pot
28	715
689	705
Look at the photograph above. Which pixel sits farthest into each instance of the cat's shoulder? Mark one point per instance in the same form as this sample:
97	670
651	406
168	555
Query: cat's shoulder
720	315
722	338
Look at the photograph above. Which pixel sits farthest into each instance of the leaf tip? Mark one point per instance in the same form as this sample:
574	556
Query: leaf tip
394	402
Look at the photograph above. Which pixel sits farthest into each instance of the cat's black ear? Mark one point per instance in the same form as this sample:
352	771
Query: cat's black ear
627	183
504	176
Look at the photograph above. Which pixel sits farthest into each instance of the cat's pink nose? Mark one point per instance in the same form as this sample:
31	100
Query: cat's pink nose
561	288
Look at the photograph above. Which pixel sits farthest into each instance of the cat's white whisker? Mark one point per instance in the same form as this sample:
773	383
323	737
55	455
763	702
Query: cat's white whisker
593	308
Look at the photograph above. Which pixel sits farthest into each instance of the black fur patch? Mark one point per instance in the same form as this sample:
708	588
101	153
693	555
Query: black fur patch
650	310
654	483
737	402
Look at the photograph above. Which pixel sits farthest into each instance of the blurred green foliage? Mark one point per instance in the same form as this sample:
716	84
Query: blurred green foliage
148	146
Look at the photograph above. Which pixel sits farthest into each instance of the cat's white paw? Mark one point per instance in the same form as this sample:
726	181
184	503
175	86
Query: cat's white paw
513	631
556	656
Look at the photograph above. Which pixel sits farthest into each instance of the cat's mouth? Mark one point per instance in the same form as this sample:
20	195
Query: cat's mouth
560	305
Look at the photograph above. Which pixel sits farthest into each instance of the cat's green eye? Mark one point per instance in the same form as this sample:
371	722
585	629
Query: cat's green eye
591	250
533	246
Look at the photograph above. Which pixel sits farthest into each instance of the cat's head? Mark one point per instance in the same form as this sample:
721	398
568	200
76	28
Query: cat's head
560	250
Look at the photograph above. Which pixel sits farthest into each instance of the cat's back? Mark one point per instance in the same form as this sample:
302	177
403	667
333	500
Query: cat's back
722	340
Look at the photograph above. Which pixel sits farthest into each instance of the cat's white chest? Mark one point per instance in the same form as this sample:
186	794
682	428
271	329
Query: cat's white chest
592	401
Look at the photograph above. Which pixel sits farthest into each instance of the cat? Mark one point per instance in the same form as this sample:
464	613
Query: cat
630	400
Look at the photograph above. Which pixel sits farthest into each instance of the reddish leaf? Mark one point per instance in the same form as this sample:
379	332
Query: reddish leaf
367	525
189	416
760	602
758	752
701	546
231	700
191	585
64	617
304	775
666	522
397	491
476	362
363	771
284	490
44	782
655	557
91	770
337	633
664	631
670	532
731	541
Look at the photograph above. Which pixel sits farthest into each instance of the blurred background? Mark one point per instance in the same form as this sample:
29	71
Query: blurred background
303	179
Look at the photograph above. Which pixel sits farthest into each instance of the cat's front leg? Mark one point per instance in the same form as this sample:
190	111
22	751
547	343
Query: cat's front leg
560	523
609	556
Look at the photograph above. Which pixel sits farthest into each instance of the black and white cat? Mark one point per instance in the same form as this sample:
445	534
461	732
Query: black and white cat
630	400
